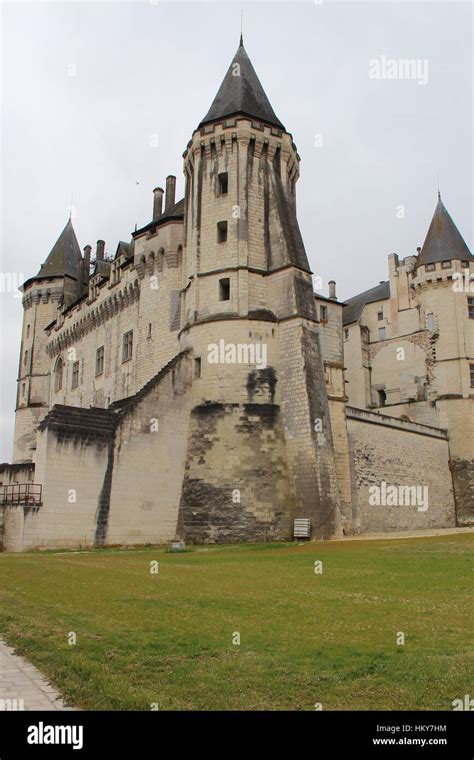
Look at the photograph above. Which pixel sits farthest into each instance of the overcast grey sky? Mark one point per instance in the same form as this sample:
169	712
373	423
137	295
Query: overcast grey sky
87	87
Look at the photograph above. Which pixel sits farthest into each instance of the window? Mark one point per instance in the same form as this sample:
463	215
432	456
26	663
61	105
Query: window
323	313
224	289
445	265
380	315
470	308
25	358
148	335
221	232
222	183
99	361
382	333
75	375
27	331
197	366
58	374
23	388
471	370
127	346
346	334
430	267
381	398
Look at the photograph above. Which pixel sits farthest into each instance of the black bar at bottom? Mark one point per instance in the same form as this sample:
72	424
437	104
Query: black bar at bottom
135	734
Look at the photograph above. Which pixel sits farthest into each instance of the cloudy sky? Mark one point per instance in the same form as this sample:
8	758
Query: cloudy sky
89	89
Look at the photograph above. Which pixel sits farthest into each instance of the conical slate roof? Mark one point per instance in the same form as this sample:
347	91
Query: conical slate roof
443	242
65	257
241	92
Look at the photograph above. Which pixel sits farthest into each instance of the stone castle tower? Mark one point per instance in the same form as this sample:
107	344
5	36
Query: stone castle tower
59	281
246	280
409	346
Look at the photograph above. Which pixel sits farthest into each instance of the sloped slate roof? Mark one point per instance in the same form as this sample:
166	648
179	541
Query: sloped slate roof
241	92
355	305
65	257
443	242
125	248
175	212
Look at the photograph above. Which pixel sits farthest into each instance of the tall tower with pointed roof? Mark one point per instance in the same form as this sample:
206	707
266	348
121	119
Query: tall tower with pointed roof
59	280
247	281
444	287
409	346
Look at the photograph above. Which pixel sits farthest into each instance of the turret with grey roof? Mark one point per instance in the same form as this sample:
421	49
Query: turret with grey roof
443	242
242	93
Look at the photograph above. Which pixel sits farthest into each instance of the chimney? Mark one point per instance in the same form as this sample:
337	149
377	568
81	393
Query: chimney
100	250
157	202
332	290
170	192
87	262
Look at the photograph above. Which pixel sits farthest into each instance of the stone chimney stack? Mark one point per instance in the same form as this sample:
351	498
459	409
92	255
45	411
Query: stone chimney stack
87	263
170	192
100	250
157	202
332	290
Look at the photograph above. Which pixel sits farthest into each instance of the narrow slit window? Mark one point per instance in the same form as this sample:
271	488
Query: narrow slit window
221	232
127	346
75	375
223	183
99	361
224	289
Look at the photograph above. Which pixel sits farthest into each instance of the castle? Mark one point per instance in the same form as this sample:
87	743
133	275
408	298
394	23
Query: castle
196	387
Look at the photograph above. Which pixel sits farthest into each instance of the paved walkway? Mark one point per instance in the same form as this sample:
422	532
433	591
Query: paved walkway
19	680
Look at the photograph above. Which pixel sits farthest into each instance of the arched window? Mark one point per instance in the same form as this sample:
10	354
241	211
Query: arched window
58	374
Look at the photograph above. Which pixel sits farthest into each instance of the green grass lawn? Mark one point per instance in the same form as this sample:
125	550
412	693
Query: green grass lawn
305	637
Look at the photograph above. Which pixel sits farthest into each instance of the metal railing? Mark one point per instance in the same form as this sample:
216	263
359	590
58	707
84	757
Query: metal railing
21	493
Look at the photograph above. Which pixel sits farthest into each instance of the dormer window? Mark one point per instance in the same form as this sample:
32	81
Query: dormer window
430	267
115	273
446	265
222	183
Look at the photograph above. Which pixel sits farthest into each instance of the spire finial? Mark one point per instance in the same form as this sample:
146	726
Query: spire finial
437	182
241	28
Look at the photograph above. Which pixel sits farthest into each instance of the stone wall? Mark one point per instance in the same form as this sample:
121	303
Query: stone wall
398	453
